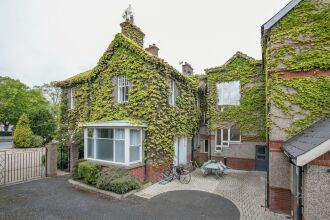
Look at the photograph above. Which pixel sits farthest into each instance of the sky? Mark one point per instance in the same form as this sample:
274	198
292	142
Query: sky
50	40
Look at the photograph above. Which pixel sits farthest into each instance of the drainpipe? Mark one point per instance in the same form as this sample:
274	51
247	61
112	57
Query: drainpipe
299	193
192	147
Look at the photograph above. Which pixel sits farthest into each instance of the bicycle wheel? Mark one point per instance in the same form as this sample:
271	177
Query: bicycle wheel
185	178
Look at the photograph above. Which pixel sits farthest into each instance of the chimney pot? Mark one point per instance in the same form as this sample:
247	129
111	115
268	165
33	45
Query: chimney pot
186	68
153	49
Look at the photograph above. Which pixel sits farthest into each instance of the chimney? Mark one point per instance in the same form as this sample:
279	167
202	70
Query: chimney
186	68
153	49
129	29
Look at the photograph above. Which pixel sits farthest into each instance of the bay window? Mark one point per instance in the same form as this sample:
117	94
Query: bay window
113	144
228	93
225	136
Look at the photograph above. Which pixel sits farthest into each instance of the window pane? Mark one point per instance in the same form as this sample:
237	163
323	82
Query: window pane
218	137
235	133
228	93
104	149
104	133
120	151
90	132
90	148
119	133
206	146
225	134
134	137
134	152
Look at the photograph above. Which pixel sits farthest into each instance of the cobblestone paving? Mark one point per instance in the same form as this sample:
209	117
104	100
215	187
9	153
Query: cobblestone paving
246	189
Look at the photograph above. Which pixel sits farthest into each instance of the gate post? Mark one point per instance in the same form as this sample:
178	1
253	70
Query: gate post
51	159
74	156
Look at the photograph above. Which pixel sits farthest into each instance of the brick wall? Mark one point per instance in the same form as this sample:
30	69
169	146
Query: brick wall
323	160
201	156
280	200
138	172
153	173
238	163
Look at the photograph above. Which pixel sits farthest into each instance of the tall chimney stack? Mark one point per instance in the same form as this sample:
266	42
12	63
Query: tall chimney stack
153	49
186	68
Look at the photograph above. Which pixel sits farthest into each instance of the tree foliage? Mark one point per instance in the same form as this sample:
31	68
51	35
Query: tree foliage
43	124
23	133
16	98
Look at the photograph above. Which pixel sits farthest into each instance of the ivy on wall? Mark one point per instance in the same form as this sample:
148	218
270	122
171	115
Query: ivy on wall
132	32
299	42
148	98
250	114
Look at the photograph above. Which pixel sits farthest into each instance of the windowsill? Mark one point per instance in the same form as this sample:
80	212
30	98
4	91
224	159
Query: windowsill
123	165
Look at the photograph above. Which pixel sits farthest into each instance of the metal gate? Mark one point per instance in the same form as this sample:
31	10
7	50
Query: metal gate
22	165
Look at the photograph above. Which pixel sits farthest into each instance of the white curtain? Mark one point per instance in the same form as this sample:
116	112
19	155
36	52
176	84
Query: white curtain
135	145
228	93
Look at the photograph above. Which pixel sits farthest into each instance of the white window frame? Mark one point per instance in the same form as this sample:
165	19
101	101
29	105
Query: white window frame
172	98
122	93
204	151
126	145
219	147
223	88
71	97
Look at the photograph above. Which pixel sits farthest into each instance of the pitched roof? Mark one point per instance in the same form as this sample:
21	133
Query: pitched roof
121	40
305	144
238	54
279	15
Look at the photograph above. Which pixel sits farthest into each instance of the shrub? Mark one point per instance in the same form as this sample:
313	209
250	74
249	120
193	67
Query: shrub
37	141
118	181
43	124
23	133
89	172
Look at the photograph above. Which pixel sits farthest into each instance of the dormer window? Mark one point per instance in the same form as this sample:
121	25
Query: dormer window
71	98
172	97
228	93
123	87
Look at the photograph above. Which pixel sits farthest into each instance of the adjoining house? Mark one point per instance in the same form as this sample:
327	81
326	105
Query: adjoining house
235	128
296	61
136	111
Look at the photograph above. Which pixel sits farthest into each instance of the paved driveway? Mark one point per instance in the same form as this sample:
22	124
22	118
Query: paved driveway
246	189
55	198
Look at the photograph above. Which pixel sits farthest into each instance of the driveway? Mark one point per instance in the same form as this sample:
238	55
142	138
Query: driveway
6	145
55	198
246	189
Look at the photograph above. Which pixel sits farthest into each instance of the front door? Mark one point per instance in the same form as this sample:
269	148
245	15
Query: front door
180	151
261	158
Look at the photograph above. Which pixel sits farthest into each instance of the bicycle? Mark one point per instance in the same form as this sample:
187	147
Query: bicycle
175	172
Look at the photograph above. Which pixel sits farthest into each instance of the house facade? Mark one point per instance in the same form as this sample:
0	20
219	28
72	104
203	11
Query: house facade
132	109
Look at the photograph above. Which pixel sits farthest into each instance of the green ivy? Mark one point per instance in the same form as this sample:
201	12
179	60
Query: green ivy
250	114
148	98
132	32
299	42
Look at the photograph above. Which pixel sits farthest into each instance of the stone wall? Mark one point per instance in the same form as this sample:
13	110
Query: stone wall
316	192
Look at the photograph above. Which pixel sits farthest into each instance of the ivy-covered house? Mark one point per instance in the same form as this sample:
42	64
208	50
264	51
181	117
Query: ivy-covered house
132	109
234	123
296	60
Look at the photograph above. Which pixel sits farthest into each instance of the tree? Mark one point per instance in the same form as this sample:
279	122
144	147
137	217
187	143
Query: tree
23	133
15	99
43	124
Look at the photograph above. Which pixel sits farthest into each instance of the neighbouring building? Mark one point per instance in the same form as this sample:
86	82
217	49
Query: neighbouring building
296	60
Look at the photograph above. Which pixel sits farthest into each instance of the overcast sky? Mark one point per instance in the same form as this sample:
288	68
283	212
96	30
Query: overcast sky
50	40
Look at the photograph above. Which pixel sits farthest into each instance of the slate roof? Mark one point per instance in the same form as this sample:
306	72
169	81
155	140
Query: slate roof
279	15
310	138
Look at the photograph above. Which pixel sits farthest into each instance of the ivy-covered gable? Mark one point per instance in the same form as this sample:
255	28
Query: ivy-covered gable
148	76
250	113
297	61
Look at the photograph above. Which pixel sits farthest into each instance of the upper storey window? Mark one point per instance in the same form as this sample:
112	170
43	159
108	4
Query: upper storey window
172	96
123	87
228	93
71	98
